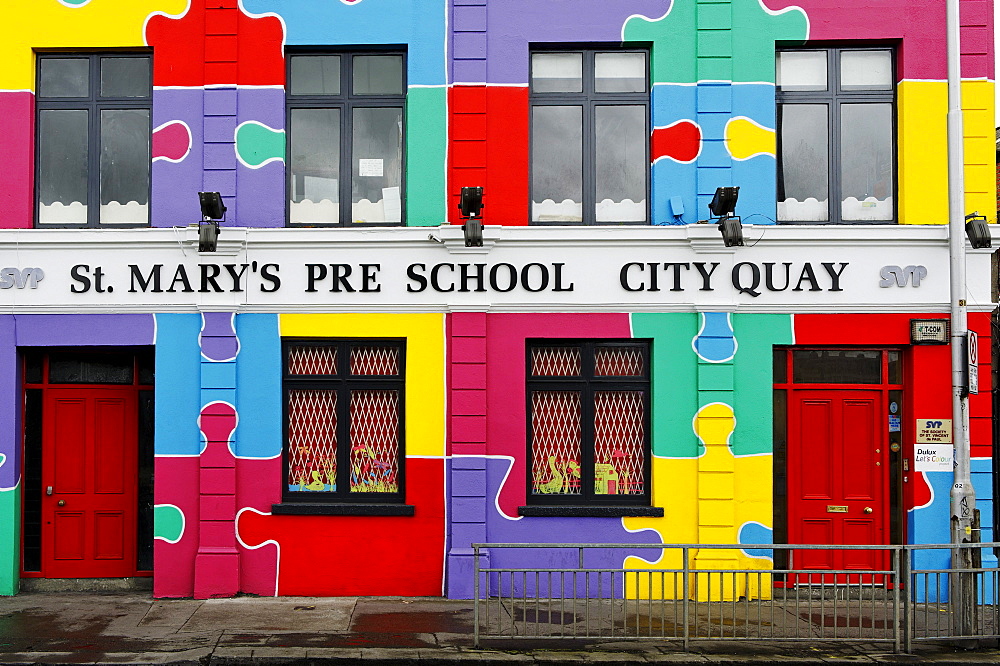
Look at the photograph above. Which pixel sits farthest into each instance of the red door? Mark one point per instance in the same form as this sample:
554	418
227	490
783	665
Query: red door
837	479
89	482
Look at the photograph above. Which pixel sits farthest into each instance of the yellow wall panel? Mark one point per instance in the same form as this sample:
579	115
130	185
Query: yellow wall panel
425	380
43	24
980	147
922	137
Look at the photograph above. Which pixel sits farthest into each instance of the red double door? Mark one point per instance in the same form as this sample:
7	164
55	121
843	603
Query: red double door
89	482
838	490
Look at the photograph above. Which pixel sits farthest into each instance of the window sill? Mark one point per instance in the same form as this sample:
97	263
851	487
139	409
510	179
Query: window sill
591	511
318	509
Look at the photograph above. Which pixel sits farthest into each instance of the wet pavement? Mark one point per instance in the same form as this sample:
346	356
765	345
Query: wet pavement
131	628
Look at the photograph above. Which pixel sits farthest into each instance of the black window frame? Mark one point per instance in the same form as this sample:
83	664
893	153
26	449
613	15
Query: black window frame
588	99
834	98
588	384
343	382
346	102
94	103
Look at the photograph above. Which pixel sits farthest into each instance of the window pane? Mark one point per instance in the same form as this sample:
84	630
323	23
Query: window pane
375	360
895	367
314	167
556	362
125	166
62	167
73	368
378	165
836	366
779	366
803	173
312	441
866	155
555	443
312	360
619	433
63	77
866	70
801	70
619	361
125	77
374	433
378	75
556	72
315	75
556	164
620	72
621	163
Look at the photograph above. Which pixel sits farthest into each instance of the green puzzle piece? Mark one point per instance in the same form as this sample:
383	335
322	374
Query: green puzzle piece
716	41
168	523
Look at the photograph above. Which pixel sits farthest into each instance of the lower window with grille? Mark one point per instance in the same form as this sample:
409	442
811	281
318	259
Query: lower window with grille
343	421
588	423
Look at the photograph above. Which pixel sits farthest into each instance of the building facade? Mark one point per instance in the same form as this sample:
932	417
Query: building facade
341	395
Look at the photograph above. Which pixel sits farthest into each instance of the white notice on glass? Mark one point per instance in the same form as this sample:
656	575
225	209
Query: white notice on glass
370	168
933	457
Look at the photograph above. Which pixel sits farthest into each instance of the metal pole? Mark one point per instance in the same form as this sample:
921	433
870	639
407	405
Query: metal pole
475	607
963	497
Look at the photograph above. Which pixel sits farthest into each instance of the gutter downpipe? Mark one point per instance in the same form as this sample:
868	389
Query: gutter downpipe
962	590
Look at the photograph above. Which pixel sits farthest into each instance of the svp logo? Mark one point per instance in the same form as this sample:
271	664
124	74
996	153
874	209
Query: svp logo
21	277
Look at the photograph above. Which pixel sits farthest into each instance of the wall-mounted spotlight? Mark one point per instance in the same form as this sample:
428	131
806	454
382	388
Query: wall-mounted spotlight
978	231
723	206
212	210
471	207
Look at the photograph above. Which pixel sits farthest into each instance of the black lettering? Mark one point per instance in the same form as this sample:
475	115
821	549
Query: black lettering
209	273
465	278
237	278
137	278
180	275
272	277
623	276
557	279
369	279
99	281
706	276
339	274
77	273
525	275
835	275
411	272
511	278
755	278
807	274
314	273
769	275
677	273
435	285
654	277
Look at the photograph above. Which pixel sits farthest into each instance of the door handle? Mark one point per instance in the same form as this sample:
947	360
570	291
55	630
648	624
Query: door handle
61	502
868	509
48	490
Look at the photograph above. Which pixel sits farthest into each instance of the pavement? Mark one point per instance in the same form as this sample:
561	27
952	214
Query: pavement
132	628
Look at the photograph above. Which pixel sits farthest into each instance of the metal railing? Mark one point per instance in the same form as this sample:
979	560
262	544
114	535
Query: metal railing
689	592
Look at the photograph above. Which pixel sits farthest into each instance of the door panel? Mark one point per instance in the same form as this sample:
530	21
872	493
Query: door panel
837	478
90	460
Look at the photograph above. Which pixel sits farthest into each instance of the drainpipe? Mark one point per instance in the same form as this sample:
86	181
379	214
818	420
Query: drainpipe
963	497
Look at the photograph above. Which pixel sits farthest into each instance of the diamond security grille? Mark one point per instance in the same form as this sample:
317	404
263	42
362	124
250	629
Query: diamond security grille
312	440
618	362
312	360
374	360
556	362
619	434
374	432
556	442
